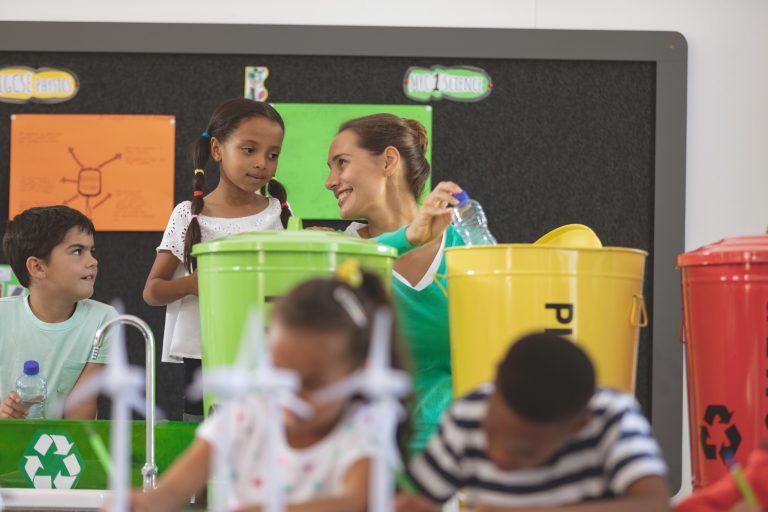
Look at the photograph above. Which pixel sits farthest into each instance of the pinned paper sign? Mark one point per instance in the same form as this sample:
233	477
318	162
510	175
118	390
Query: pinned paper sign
255	76
116	169
458	83
20	84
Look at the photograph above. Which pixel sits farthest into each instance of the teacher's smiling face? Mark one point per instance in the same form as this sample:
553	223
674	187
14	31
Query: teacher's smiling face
357	178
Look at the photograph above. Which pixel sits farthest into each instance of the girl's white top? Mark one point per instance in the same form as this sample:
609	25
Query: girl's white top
314	472
181	337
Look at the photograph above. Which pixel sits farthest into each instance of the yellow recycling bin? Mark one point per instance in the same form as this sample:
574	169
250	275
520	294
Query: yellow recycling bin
565	283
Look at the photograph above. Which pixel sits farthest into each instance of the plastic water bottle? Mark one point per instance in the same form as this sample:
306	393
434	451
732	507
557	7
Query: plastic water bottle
31	387
470	221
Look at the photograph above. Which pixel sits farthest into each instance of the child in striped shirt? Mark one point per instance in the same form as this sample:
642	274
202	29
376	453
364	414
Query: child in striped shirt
542	437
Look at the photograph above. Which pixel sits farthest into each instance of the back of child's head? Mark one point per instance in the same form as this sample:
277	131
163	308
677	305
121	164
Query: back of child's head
35	232
341	305
224	121
546	378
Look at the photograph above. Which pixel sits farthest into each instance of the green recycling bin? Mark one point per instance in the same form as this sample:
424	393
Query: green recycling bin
240	273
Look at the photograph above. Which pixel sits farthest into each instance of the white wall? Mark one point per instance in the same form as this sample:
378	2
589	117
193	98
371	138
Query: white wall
727	171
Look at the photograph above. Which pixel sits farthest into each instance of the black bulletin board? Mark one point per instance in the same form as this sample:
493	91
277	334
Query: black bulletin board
581	126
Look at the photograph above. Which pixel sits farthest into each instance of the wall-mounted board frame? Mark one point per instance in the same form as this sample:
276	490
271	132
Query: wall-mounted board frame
665	51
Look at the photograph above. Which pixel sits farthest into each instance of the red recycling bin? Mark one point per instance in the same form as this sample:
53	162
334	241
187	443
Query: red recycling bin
725	301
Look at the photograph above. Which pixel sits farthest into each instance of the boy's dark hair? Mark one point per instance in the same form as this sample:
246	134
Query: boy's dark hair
379	131
223	122
314	305
35	232
546	378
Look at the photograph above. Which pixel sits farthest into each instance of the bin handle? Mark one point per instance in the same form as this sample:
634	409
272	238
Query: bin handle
439	284
639	317
295	223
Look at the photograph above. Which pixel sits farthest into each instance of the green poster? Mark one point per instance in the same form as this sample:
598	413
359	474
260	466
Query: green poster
9	285
309	130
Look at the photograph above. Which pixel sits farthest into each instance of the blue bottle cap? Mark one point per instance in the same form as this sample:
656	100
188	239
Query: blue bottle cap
31	367
462	196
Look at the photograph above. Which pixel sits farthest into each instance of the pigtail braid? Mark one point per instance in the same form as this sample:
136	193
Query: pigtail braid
201	152
277	190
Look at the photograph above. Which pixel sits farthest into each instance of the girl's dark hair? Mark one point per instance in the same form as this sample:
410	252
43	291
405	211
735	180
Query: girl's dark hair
377	132
313	305
223	122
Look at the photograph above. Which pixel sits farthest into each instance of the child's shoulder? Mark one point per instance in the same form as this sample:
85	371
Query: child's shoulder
614	407
612	400
473	405
12	303
183	209
478	394
98	309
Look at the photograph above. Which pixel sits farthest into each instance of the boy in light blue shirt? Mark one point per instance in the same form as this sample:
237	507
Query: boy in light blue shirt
50	249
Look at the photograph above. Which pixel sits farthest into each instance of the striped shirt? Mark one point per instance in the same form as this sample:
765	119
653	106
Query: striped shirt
614	450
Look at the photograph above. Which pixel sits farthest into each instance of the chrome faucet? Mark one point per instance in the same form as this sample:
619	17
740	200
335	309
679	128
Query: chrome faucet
149	470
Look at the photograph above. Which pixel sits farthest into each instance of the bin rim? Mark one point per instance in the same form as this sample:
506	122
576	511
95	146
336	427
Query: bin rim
737	249
558	248
294	241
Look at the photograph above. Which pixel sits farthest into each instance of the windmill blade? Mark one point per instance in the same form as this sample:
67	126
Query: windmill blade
215	381
229	383
295	404
119	305
136	402
195	389
390	412
379	352
389	382
119	379
342	389
252	342
117	343
274	500
223	382
117	352
86	390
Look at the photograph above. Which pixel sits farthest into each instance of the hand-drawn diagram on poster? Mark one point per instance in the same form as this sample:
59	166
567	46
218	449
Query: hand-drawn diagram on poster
88	183
116	169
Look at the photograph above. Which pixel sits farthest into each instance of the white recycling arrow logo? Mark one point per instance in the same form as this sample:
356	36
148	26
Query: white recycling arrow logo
51	461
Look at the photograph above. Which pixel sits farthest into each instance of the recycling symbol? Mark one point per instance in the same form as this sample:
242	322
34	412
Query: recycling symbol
732	435
51	461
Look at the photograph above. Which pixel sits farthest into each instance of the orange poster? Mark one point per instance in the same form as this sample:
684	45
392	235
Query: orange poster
116	169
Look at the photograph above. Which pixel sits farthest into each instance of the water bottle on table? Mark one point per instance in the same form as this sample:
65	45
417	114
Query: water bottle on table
470	221
31	387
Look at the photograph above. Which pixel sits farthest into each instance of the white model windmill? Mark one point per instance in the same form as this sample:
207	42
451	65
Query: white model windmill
384	386
252	374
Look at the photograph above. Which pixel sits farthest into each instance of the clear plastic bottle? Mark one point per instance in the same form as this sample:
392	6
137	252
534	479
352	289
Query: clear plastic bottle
470	221
31	387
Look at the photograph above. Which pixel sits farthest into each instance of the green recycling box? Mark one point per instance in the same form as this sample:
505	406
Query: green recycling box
240	273
62	454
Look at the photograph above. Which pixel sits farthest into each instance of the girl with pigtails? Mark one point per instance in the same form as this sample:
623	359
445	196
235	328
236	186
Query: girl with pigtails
244	138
